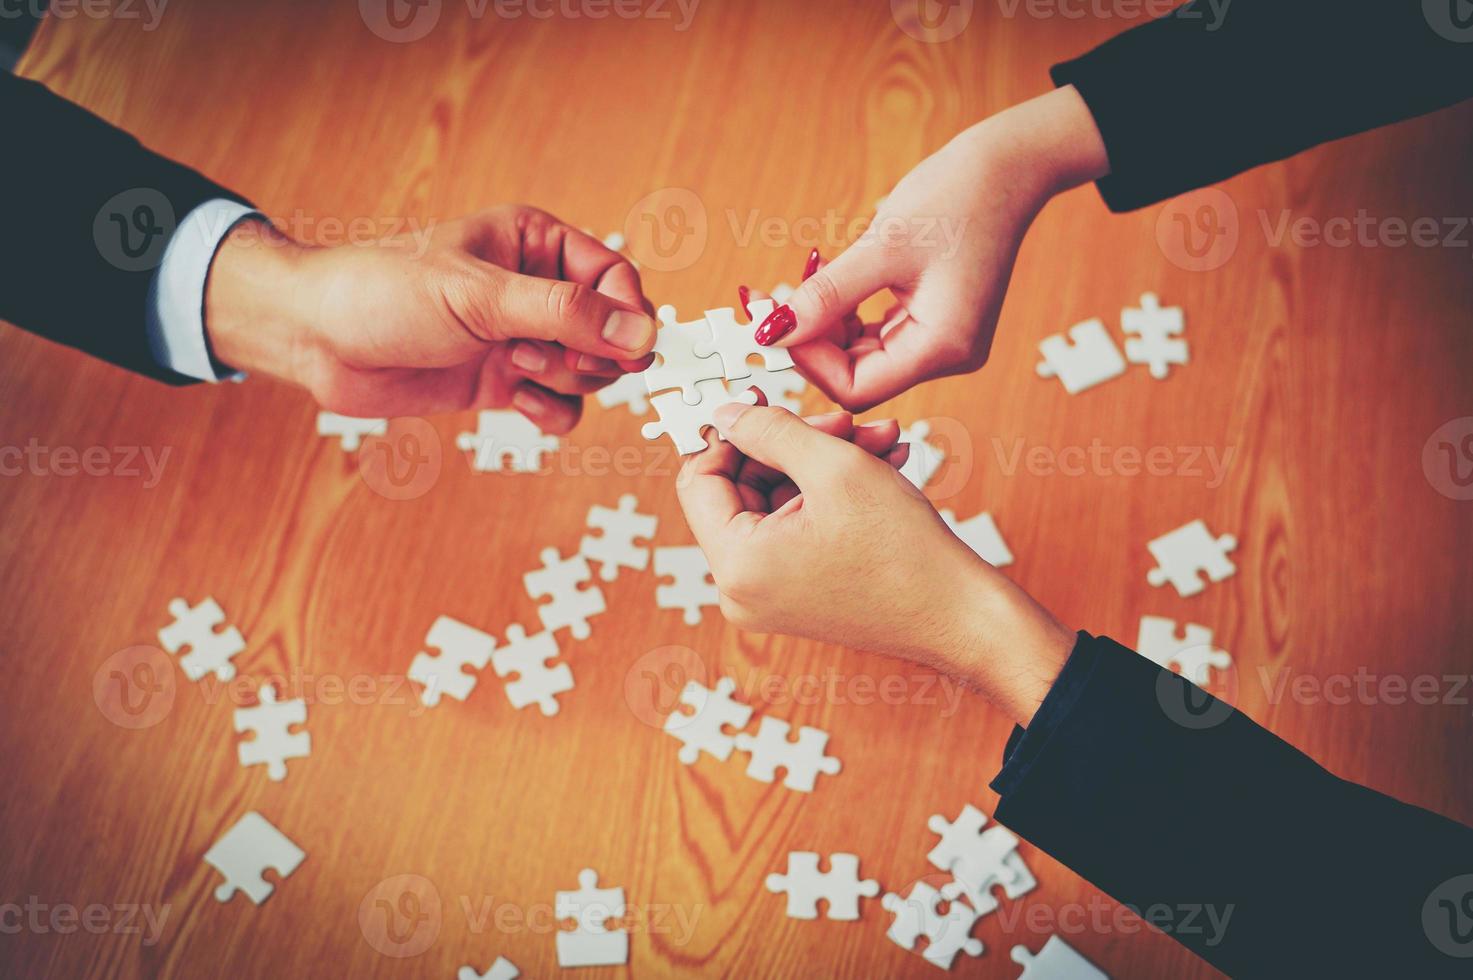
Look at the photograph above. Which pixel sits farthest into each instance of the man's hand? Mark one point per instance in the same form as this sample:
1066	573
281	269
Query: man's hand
508	307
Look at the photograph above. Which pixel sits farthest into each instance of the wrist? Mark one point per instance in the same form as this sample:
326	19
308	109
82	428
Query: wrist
1049	144
254	310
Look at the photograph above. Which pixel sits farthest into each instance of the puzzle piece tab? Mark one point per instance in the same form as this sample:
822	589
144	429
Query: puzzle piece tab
502	969
733	342
527	657
350	431
460	646
615	547
505	437
1157	339
592	943
690	588
210	652
704	730
1191	652
677	365
248	849
1091	359
839	887
802	760
274	743
1182	555
560	580
684	421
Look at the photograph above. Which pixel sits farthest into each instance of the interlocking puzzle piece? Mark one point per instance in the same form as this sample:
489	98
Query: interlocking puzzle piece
690	588
460	646
350	431
615	547
247	850
569	605
839	887
1157	341
980	533
527	657
684	422
677	365
803	759
209	651
778	386
978	859
703	730
1056	961
592	943
1091	359
1191	549
502	969
1191	652
925	459
503	437
947	933
630	391
733	342
274	743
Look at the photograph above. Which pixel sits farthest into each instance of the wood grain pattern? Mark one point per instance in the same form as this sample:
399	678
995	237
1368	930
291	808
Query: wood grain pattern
1322	370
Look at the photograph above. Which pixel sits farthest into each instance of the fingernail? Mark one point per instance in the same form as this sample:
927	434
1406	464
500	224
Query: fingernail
527	402
726	416
745	295
811	266
587	362
779	323
898	456
629	331
529	358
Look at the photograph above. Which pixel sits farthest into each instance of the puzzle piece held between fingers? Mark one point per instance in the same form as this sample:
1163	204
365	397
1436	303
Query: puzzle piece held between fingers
615	547
839	887
1157	339
274	743
1183	554
704	729
980	533
683	421
1191	653
1056	961
946	933
350	431
803	759
592	943
1091	359
210	652
460	646
248	849
734	342
502	969
502	437
527	657
690	586
677	365
569	605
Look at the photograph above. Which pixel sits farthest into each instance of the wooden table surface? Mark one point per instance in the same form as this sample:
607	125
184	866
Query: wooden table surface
1319	376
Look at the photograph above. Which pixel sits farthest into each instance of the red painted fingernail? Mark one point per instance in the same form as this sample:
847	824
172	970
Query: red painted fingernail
779	323
744	294
811	266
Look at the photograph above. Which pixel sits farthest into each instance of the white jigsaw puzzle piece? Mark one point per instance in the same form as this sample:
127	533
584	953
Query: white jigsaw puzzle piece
349	431
615	547
1157	339
1182	555
685	422
248	849
502	969
527	657
925	459
1056	961
271	720
980	533
802	760
505	437
704	730
569	605
677	365
592	943
946	933
978	858
840	887
210	652
460	646
1190	652
630	391
780	387
690	588
734	342
1091	359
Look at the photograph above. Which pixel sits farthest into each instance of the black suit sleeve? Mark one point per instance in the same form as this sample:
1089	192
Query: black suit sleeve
87	211
1227	837
1218	87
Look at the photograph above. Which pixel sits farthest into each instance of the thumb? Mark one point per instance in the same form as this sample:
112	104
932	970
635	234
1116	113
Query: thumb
834	291
780	439
569	313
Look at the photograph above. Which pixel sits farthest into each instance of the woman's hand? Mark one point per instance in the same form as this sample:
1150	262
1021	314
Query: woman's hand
508	307
810	531
943	242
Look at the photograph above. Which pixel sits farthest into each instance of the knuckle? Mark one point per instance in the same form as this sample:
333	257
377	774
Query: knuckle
824	290
566	300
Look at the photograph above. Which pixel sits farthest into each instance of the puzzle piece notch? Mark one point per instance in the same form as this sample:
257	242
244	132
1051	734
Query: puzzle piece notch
561	580
978	858
502	969
780	387
1190	651
802	760
1189	550
248	849
734	342
947	933
592	943
704	729
615	547
840	887
460	646
980	533
630	391
503	437
925	459
350	431
685	421
1091	359
271	720
1157	341
210	651
1056	961
690	589
527	657
677	365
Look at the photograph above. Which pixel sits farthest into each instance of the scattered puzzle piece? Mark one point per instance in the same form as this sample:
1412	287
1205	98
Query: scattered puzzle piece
460	646
615	547
209	652
569	605
1056	961
803	759
683	421
704	729
980	533
733	342
350	431
839	887
502	969
592	943
1157	339
690	588
271	720
248	849
1189	550
978	859
677	365
527	657
1091	359
946	933
925	459
1191	653
503	437
630	390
